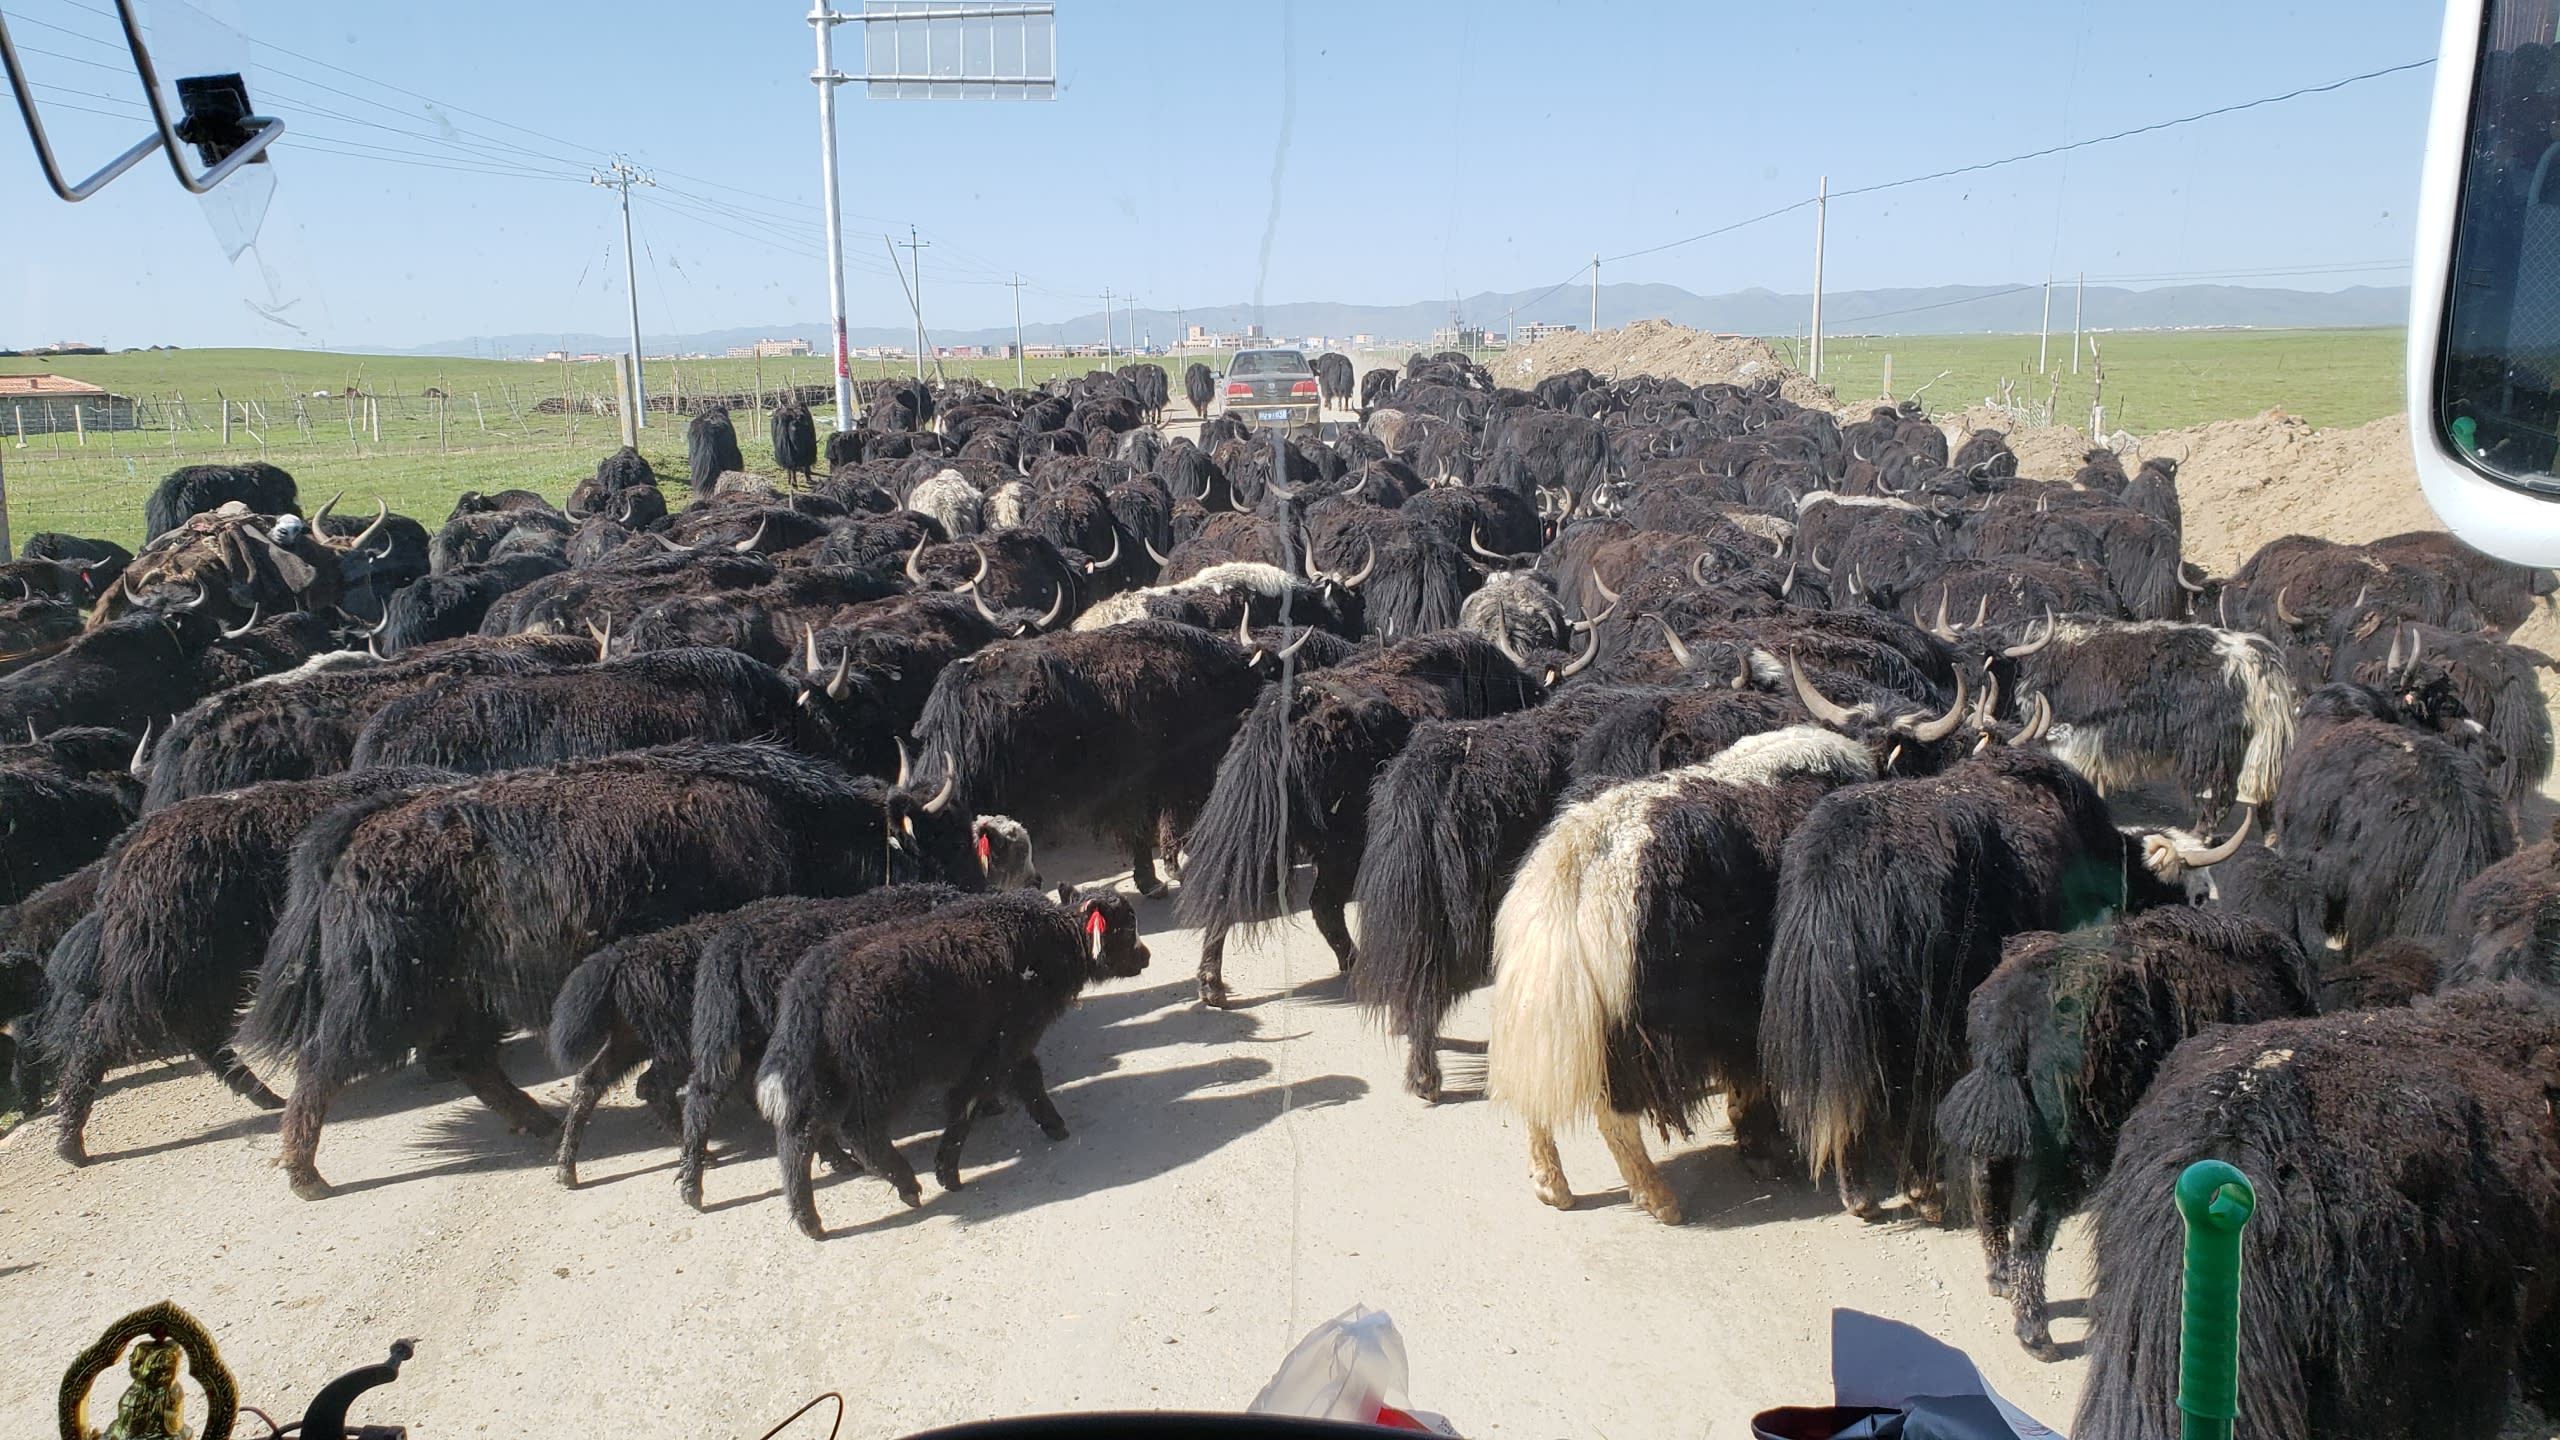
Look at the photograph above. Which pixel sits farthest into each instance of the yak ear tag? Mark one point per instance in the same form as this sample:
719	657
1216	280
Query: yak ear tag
1096	925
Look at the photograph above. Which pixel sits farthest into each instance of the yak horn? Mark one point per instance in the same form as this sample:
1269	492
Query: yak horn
1151	552
32	737
1475	542
841	681
245	626
950	781
902	761
382	516
1981	611
1817	704
1294	646
2023	649
1244	632
808	649
1929	731
748	545
1940	627
1603	587
1777	548
1057	606
915	575
325	507
141	752
1671	637
670	544
1742	672
1855	572
373	645
1582	662
2041	724
2392	664
2222	608
1698	567
972	583
1368	563
2198	859
202	595
1815	560
1502	642
604	637
1095	567
2283	615
2186	584
1787	585
1590	623
984	611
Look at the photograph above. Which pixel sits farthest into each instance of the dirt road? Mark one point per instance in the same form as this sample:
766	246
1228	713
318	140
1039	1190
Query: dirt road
1233	1179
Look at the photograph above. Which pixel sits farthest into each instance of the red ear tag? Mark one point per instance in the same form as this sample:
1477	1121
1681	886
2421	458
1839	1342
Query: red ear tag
1095	923
985	851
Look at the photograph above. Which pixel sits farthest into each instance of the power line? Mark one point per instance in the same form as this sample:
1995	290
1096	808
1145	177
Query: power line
1707	234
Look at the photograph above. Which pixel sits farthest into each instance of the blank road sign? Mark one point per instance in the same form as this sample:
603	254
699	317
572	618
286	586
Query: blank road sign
939	50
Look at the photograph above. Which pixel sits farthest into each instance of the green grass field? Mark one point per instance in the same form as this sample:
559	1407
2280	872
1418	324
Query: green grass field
487	432
2155	380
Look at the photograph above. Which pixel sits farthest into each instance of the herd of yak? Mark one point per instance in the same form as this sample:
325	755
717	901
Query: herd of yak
1740	753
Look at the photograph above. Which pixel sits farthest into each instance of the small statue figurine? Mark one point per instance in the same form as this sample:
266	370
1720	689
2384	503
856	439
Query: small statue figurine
153	1407
163	1348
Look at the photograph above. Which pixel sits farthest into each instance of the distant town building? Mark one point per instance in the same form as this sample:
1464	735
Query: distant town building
1537	330
1044	352
768	349
1458	337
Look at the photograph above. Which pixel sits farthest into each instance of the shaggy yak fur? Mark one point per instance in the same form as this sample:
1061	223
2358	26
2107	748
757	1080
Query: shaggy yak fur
451	605
795	441
510	722
695	1002
1116	732
2390	823
2065	1037
184	907
711	448
1449	819
195	489
2506	922
293	728
2210	709
434	923
1629	953
59	808
1296	779
956	1001
2396	1275
146	667
1893	901
28	932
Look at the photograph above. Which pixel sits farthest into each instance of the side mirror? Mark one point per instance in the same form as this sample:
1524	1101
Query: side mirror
2484	295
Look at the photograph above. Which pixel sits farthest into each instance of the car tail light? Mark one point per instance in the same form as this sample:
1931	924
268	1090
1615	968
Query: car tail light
1237	389
1303	387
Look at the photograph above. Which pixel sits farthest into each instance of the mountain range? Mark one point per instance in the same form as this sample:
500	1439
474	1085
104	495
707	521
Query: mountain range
1930	310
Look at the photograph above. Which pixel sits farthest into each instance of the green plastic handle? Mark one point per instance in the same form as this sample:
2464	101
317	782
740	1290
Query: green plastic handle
2216	1201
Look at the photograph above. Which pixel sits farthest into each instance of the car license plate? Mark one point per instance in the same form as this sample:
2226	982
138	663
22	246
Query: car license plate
1271	415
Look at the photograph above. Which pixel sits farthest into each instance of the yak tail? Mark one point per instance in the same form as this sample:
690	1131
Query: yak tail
2252	666
1564	964
1820	1044
1231	869
584	1014
293	982
1411	927
73	975
795	1060
1987	1116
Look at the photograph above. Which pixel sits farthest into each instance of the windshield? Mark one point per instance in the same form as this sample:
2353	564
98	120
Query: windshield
1000	732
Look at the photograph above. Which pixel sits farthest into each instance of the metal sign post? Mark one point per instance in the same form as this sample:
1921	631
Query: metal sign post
922	50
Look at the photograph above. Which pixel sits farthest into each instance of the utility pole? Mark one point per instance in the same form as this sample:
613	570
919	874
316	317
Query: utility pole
2079	292
915	262
622	177
1134	347
823	20
1110	342
2044	327
1821	217
1018	382
1595	294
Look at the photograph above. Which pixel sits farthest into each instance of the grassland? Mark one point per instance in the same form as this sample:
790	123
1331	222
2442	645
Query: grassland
487	431
2154	380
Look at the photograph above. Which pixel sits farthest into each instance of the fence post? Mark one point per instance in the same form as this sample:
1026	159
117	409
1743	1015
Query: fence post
476	413
439	419
80	423
373	417
20	415
226	418
6	548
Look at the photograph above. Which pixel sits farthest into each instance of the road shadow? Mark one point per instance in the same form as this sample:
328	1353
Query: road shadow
1717	1190
1126	1128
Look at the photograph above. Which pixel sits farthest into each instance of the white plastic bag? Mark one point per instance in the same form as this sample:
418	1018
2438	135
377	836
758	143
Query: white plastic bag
1351	1367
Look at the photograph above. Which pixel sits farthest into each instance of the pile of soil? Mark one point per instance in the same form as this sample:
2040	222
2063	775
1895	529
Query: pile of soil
1658	347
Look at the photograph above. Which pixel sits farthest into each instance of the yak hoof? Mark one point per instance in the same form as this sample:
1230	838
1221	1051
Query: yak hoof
567	1175
309	1186
265	1099
1556	1192
946	1176
689	1190
70	1149
541	1124
810	1225
1213	993
1661	1207
2040	1345
1056	1131
1150	886
913	1194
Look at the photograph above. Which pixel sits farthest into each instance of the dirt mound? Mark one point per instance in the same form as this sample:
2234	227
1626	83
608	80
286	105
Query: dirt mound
1658	347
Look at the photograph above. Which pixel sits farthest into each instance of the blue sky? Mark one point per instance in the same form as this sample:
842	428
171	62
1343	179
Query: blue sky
1434	149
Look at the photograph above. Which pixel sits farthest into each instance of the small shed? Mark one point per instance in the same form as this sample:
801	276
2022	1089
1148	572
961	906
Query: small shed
50	404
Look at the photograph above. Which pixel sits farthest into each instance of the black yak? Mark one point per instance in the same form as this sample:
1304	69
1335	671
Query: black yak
1629	952
511	721
452	605
2396	1273
695	1001
434	923
196	489
1199	387
1449	819
1116	732
711	447
28	932
795	441
2065	1036
1893	901
2210	709
956	1001
184	906
62	801
1296	778
2390	823
2505	925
